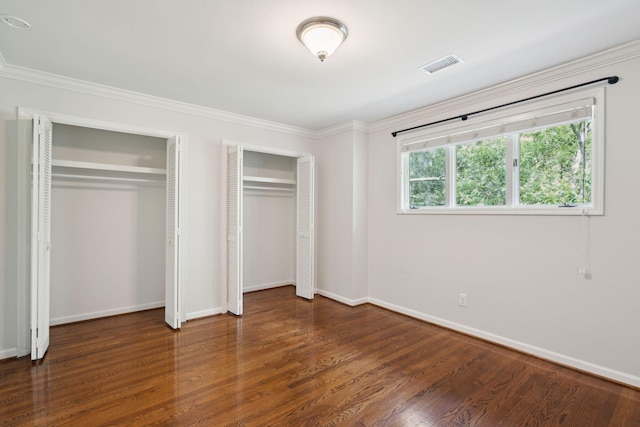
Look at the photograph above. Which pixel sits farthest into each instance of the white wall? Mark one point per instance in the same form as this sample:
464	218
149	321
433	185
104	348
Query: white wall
203	291
13	230
7	193
334	184
268	239
107	248
360	217
520	272
342	225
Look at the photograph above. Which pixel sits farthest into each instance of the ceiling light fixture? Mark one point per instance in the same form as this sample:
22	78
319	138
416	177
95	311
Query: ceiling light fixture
322	35
15	22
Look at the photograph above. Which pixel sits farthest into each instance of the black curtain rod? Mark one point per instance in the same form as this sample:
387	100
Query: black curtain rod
611	80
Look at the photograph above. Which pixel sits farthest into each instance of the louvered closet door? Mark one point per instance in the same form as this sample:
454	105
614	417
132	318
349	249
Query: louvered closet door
305	237
234	229
41	235
173	255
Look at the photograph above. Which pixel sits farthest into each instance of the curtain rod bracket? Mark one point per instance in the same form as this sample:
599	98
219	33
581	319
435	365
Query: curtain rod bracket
611	80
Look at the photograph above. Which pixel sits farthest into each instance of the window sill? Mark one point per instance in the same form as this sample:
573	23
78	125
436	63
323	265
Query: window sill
511	210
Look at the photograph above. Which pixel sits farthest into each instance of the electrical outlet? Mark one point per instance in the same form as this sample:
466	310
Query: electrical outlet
462	300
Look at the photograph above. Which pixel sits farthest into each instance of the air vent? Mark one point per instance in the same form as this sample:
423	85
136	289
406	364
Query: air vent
441	64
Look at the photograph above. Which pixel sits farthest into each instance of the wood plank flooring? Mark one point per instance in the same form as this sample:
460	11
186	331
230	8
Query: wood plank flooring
290	362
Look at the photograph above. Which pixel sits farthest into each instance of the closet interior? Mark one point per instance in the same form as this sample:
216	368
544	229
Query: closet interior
108	223
270	223
269	214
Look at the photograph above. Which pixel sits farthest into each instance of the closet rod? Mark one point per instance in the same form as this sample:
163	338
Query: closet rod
105	178
611	80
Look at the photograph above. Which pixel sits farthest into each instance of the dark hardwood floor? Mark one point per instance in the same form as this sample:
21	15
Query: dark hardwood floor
290	362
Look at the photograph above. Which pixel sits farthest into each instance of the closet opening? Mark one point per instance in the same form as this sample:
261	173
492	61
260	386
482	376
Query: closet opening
108	195
106	223
270	222
269	209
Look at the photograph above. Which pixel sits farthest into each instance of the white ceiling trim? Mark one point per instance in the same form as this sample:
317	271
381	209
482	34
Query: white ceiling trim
89	88
95	89
352	125
512	88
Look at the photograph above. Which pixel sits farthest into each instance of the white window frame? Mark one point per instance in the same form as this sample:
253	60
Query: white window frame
454	133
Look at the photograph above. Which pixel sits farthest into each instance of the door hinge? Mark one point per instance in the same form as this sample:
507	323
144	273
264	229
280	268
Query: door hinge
515	163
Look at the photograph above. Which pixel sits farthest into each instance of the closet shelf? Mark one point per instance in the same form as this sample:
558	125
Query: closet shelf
261	188
107	167
269	180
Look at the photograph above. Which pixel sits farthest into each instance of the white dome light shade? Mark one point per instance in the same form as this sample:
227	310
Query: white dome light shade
322	35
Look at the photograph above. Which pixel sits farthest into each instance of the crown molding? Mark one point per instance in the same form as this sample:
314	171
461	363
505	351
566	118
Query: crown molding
95	89
514	87
350	126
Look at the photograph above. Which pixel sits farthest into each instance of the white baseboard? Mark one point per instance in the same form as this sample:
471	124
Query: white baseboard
105	313
8	353
263	286
542	353
205	313
336	297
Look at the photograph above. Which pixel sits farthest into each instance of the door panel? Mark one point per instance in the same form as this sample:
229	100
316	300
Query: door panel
173	249
234	229
40	235
305	236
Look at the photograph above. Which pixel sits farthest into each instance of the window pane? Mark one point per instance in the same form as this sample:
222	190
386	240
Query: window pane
481	173
555	165
427	183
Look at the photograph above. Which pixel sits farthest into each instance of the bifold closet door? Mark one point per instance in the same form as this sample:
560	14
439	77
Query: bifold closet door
40	235
173	259
234	229
40	250
305	235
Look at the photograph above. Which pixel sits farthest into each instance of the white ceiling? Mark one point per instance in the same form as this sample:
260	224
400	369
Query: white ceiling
243	57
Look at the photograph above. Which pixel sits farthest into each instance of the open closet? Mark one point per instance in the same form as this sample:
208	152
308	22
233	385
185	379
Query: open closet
107	223
105	220
270	222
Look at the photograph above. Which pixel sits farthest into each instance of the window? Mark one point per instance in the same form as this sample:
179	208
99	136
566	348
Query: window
480	173
427	178
544	158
